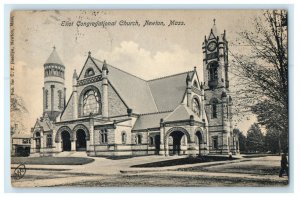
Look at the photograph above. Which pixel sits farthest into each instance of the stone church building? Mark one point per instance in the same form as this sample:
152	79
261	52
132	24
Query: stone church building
112	112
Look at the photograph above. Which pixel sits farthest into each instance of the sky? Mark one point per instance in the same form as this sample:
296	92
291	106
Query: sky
148	52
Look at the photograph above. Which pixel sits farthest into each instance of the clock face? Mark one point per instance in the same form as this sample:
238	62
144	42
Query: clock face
212	46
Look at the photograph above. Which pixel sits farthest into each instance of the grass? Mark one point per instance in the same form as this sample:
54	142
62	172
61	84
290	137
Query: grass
51	160
258	155
254	167
181	161
175	181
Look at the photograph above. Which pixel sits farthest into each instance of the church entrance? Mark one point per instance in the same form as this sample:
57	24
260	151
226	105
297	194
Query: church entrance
199	141
81	140
66	141
175	142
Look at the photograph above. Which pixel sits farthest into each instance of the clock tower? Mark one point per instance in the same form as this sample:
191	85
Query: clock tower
216	87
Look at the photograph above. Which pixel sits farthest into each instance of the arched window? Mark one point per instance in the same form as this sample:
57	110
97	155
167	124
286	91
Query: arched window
213	71
59	99
46	99
49	141
195	84
103	136
123	138
89	72
196	106
91	102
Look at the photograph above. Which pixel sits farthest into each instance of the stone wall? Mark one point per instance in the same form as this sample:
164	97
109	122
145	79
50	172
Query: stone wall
116	106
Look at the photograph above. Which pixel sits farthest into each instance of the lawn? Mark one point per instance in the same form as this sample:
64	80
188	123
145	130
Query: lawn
51	160
175	181
263	166
182	161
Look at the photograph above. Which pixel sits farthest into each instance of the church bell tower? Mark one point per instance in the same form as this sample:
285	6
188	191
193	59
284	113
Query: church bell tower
54	91
216	87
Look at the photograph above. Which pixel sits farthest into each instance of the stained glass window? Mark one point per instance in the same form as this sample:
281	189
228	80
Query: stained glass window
90	103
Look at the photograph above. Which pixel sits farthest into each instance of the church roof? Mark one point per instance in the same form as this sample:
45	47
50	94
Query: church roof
54	58
168	92
182	112
134	91
157	95
148	121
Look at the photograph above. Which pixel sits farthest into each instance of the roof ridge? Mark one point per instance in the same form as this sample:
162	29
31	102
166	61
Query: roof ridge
173	111
170	75
151	113
152	96
121	70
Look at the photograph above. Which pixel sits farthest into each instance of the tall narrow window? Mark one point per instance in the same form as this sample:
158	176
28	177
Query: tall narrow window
213	71
46	99
215	142
227	108
103	136
151	141
138	139
214	108
196	106
123	138
59	99
91	103
49	141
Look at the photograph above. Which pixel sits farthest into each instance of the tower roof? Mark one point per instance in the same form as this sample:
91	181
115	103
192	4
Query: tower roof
54	58
214	30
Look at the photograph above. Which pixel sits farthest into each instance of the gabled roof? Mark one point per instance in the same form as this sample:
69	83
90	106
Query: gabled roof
54	58
90	63
168	92
147	121
133	90
143	97
45	124
21	135
182	112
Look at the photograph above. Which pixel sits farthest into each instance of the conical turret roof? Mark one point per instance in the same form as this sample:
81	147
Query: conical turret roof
54	58
214	30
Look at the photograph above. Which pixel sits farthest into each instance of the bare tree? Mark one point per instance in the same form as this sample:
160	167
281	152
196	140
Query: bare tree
18	113
264	71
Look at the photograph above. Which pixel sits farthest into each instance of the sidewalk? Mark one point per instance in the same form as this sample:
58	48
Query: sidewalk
167	168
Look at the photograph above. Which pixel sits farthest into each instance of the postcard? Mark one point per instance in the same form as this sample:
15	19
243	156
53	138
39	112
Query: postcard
149	98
